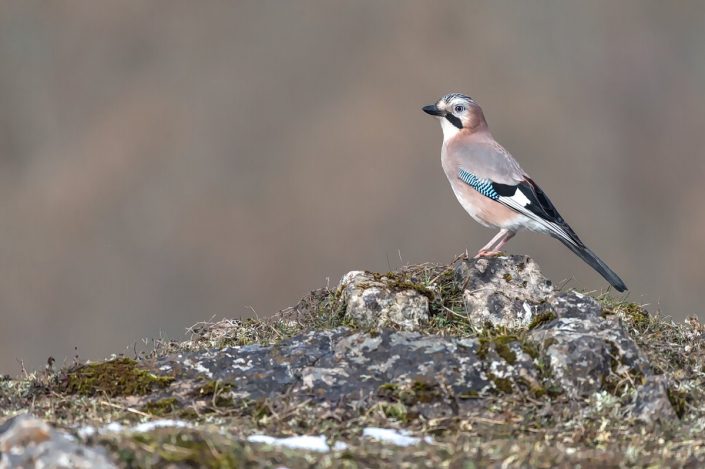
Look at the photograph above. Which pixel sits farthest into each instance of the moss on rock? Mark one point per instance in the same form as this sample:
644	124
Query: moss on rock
162	407
119	377
500	344
542	318
218	392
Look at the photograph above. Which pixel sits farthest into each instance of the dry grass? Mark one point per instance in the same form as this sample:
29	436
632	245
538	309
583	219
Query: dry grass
511	430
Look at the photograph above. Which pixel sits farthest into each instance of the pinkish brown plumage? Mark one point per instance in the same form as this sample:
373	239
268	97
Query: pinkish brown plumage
492	187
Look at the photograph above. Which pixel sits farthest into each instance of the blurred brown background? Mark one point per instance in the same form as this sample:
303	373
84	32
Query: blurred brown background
165	162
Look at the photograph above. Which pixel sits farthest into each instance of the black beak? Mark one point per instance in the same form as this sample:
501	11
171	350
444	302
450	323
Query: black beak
433	110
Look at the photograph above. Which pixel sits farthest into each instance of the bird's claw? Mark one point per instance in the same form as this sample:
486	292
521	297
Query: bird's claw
487	253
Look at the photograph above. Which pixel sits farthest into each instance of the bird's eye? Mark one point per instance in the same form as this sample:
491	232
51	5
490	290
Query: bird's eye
459	108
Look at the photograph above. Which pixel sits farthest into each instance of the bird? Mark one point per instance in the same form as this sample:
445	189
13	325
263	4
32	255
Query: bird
492	187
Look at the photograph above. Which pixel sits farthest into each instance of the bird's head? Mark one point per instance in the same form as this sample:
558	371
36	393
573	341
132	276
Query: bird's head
457	112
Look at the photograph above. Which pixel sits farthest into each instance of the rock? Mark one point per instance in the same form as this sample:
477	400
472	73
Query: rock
373	300
586	351
652	404
480	353
21	431
341	365
504	291
26	441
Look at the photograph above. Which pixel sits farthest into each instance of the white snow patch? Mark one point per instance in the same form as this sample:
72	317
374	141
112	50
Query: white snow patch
112	427
395	437
87	431
116	427
163	423
304	442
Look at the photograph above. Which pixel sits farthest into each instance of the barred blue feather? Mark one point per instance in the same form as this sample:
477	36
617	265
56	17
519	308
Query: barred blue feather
483	186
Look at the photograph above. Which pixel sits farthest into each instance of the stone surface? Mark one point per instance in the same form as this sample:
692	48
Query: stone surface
503	291
445	347
342	365
26	441
584	349
652	404
373	300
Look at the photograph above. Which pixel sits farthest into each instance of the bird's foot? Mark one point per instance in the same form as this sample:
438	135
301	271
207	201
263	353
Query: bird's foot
487	253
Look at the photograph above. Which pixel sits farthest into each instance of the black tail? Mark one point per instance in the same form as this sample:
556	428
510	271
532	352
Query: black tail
596	263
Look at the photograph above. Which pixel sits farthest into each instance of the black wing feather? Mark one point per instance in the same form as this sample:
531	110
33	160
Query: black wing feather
541	206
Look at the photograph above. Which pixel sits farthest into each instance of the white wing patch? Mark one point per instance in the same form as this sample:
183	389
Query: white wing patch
519	202
518	198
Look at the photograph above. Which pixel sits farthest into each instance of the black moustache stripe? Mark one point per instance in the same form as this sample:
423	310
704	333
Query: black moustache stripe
454	120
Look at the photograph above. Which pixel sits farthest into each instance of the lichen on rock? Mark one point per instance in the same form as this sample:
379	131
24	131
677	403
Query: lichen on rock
374	300
504	291
483	353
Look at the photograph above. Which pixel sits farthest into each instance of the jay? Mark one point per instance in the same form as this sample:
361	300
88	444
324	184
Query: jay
492	187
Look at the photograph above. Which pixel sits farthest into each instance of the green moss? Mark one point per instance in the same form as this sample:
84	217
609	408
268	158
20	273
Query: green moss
500	344
394	410
223	401
209	388
507	277
637	316
259	410
542	318
530	349
170	406
120	377
426	392
679	401
411	394
483	349
400	281
183	448
503	385
162	407
388	390
506	353
549	342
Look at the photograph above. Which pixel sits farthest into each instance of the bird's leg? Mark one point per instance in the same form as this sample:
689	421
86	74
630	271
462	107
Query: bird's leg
492	248
487	248
509	235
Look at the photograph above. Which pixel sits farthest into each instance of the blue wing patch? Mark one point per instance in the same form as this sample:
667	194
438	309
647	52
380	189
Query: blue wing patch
483	186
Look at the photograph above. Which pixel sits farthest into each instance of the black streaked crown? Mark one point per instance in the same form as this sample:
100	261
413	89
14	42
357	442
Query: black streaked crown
451	96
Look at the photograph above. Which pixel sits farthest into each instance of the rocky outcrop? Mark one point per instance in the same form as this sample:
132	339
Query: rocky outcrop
441	347
341	365
520	319
26	441
502	291
376	300
586	351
